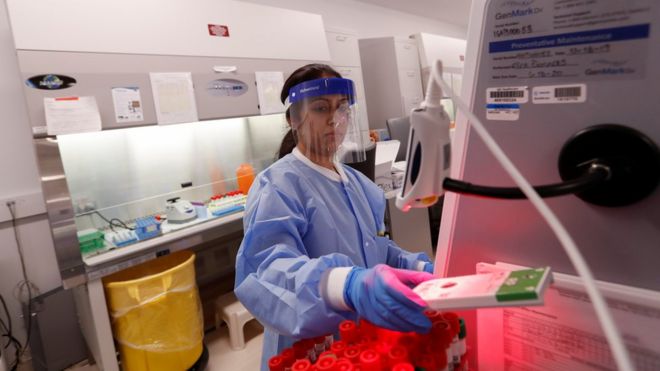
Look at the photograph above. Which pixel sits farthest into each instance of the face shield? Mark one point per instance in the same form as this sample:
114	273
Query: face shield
324	118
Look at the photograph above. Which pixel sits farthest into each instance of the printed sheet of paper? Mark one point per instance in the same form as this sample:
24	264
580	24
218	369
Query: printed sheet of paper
72	115
564	334
128	104
174	97
269	86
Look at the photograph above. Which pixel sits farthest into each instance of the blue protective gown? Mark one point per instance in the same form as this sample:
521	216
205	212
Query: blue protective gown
298	223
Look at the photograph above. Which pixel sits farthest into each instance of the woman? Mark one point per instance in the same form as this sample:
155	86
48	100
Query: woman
313	253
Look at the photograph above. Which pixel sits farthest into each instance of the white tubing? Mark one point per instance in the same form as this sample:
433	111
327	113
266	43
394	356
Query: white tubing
619	351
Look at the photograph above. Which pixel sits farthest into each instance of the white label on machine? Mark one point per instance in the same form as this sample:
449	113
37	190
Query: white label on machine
586	40
553	94
513	94
128	104
565	334
503	112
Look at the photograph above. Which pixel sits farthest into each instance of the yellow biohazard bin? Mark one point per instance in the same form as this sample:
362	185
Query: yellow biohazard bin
156	314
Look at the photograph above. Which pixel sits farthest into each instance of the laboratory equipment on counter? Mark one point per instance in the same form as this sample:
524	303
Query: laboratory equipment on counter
228	203
244	177
147	227
180	211
91	240
121	238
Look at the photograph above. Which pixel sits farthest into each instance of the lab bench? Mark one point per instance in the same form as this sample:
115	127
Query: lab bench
224	232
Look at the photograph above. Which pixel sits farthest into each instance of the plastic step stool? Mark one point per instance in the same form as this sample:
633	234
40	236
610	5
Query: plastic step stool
235	315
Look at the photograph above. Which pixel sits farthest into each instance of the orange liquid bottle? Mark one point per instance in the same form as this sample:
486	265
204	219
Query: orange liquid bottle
244	177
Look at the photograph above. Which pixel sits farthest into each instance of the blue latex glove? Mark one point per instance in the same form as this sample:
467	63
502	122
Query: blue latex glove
382	295
428	268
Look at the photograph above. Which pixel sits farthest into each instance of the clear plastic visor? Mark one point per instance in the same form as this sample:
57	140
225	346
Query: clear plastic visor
326	126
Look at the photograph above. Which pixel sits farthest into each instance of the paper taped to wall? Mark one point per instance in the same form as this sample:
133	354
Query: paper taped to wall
69	115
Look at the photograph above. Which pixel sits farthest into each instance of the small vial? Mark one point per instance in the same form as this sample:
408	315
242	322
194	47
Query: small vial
397	355
300	349
344	364
329	339
426	362
370	360
452	319
462	346
326	363
348	332
352	353
276	363
405	366
289	356
319	345
338	348
301	365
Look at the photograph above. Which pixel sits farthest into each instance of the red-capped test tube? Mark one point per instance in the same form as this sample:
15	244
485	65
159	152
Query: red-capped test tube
352	353
326	364
338	348
348	332
441	338
300	349
289	356
276	363
426	362
344	364
433	315
370	360
405	366
452	319
397	355
409	341
301	365
462	346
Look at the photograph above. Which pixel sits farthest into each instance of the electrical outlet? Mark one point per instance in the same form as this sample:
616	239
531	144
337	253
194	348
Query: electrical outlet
25	205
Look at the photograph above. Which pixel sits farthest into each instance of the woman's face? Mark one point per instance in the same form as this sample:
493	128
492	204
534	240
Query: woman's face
323	124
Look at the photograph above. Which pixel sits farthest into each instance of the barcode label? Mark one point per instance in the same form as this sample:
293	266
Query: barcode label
507	94
556	94
574	91
512	94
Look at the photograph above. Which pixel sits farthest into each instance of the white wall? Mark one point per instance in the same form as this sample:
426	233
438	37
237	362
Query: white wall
19	181
368	20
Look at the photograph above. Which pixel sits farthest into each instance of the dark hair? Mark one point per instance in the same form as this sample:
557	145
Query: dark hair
302	74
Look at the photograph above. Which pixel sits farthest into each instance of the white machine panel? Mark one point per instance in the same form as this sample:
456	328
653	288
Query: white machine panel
606	51
221	28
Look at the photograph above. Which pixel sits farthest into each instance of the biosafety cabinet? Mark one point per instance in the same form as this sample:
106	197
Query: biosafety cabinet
169	104
148	115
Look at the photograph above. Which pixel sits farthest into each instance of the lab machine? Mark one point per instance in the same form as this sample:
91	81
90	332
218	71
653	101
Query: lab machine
567	90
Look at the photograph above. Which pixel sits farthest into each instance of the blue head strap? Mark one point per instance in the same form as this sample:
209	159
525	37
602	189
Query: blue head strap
324	86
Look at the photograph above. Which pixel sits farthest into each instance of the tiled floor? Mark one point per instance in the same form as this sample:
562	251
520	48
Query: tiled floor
221	356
